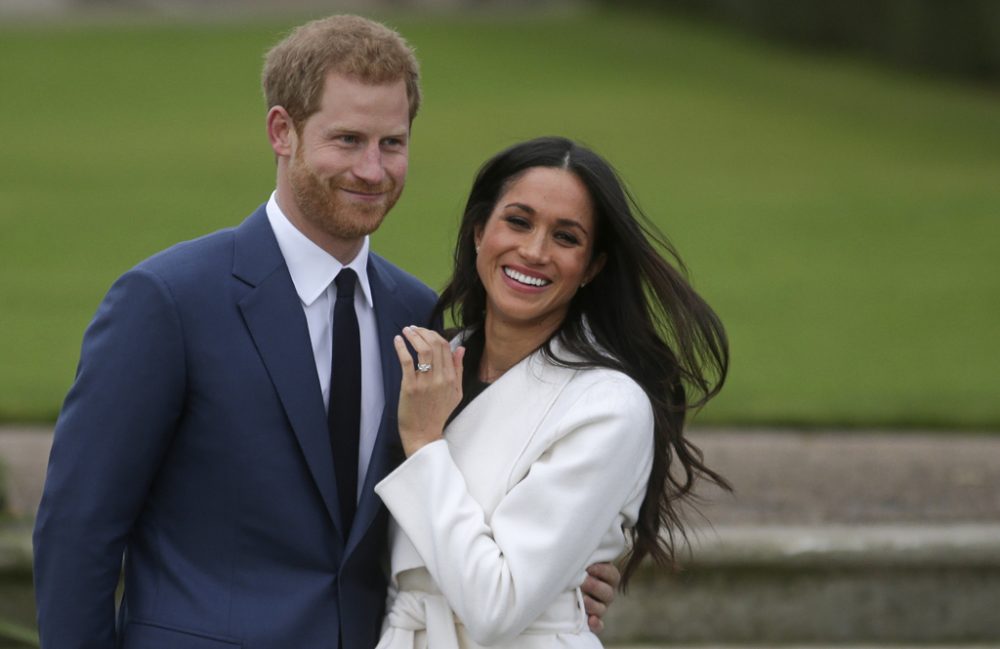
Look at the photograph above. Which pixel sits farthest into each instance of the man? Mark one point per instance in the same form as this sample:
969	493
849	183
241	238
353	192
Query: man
204	437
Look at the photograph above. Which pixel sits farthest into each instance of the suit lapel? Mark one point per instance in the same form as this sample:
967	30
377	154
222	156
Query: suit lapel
273	314
391	315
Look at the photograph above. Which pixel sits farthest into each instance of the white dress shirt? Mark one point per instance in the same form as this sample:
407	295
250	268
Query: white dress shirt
313	271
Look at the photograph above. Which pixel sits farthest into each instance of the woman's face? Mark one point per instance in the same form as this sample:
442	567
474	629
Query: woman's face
535	249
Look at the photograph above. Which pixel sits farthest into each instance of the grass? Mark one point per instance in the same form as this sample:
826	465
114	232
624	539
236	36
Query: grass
22	636
841	217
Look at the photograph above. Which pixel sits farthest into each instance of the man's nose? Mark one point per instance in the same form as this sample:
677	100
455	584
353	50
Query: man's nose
369	166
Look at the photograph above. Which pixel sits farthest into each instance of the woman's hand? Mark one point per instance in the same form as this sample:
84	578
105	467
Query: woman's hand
427	397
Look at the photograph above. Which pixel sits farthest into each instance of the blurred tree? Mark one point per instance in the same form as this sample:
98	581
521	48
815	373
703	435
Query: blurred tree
955	36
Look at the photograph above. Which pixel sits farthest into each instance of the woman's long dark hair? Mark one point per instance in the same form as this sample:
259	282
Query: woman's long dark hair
641	312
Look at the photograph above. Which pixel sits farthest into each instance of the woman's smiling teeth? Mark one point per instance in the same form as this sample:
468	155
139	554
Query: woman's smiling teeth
521	278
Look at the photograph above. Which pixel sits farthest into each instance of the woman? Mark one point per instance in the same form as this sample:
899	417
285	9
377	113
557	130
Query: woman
580	351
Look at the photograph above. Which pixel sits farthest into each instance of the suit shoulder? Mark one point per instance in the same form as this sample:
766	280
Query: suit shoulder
203	250
407	282
191	261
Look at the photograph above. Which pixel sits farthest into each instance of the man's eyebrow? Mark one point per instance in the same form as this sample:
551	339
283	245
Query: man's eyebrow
332	131
340	130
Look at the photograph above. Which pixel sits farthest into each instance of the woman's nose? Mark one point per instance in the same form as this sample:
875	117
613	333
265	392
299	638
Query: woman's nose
534	248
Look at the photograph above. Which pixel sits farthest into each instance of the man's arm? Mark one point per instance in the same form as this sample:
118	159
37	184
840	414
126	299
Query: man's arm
598	592
109	440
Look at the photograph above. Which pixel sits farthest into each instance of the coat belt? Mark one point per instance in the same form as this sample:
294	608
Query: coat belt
414	610
418	611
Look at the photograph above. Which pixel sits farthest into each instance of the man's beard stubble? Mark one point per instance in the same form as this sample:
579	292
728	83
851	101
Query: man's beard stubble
323	205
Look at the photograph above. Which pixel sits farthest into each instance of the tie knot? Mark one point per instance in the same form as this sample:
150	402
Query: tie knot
345	281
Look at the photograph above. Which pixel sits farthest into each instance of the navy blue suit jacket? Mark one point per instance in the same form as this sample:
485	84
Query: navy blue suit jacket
194	441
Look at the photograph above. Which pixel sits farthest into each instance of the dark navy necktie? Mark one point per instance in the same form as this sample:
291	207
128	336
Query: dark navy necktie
344	413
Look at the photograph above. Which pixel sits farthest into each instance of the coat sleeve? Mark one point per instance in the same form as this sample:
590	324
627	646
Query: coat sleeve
111	435
499	574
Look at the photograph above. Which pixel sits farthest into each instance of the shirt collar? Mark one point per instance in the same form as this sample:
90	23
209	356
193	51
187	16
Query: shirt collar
312	268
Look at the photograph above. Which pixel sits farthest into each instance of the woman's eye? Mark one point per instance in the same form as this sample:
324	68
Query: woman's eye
517	221
568	238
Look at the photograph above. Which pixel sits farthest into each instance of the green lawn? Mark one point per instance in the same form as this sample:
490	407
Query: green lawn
841	217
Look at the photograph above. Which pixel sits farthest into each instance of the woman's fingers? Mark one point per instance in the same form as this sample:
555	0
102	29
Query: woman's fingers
433	350
405	359
425	352
445	373
426	397
456	358
446	361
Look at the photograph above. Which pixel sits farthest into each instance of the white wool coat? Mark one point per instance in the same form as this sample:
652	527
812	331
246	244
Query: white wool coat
495	525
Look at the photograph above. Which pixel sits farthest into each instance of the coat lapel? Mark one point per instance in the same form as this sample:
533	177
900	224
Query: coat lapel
494	439
273	314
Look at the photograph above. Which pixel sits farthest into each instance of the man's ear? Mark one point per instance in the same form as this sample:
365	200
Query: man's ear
596	264
281	131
